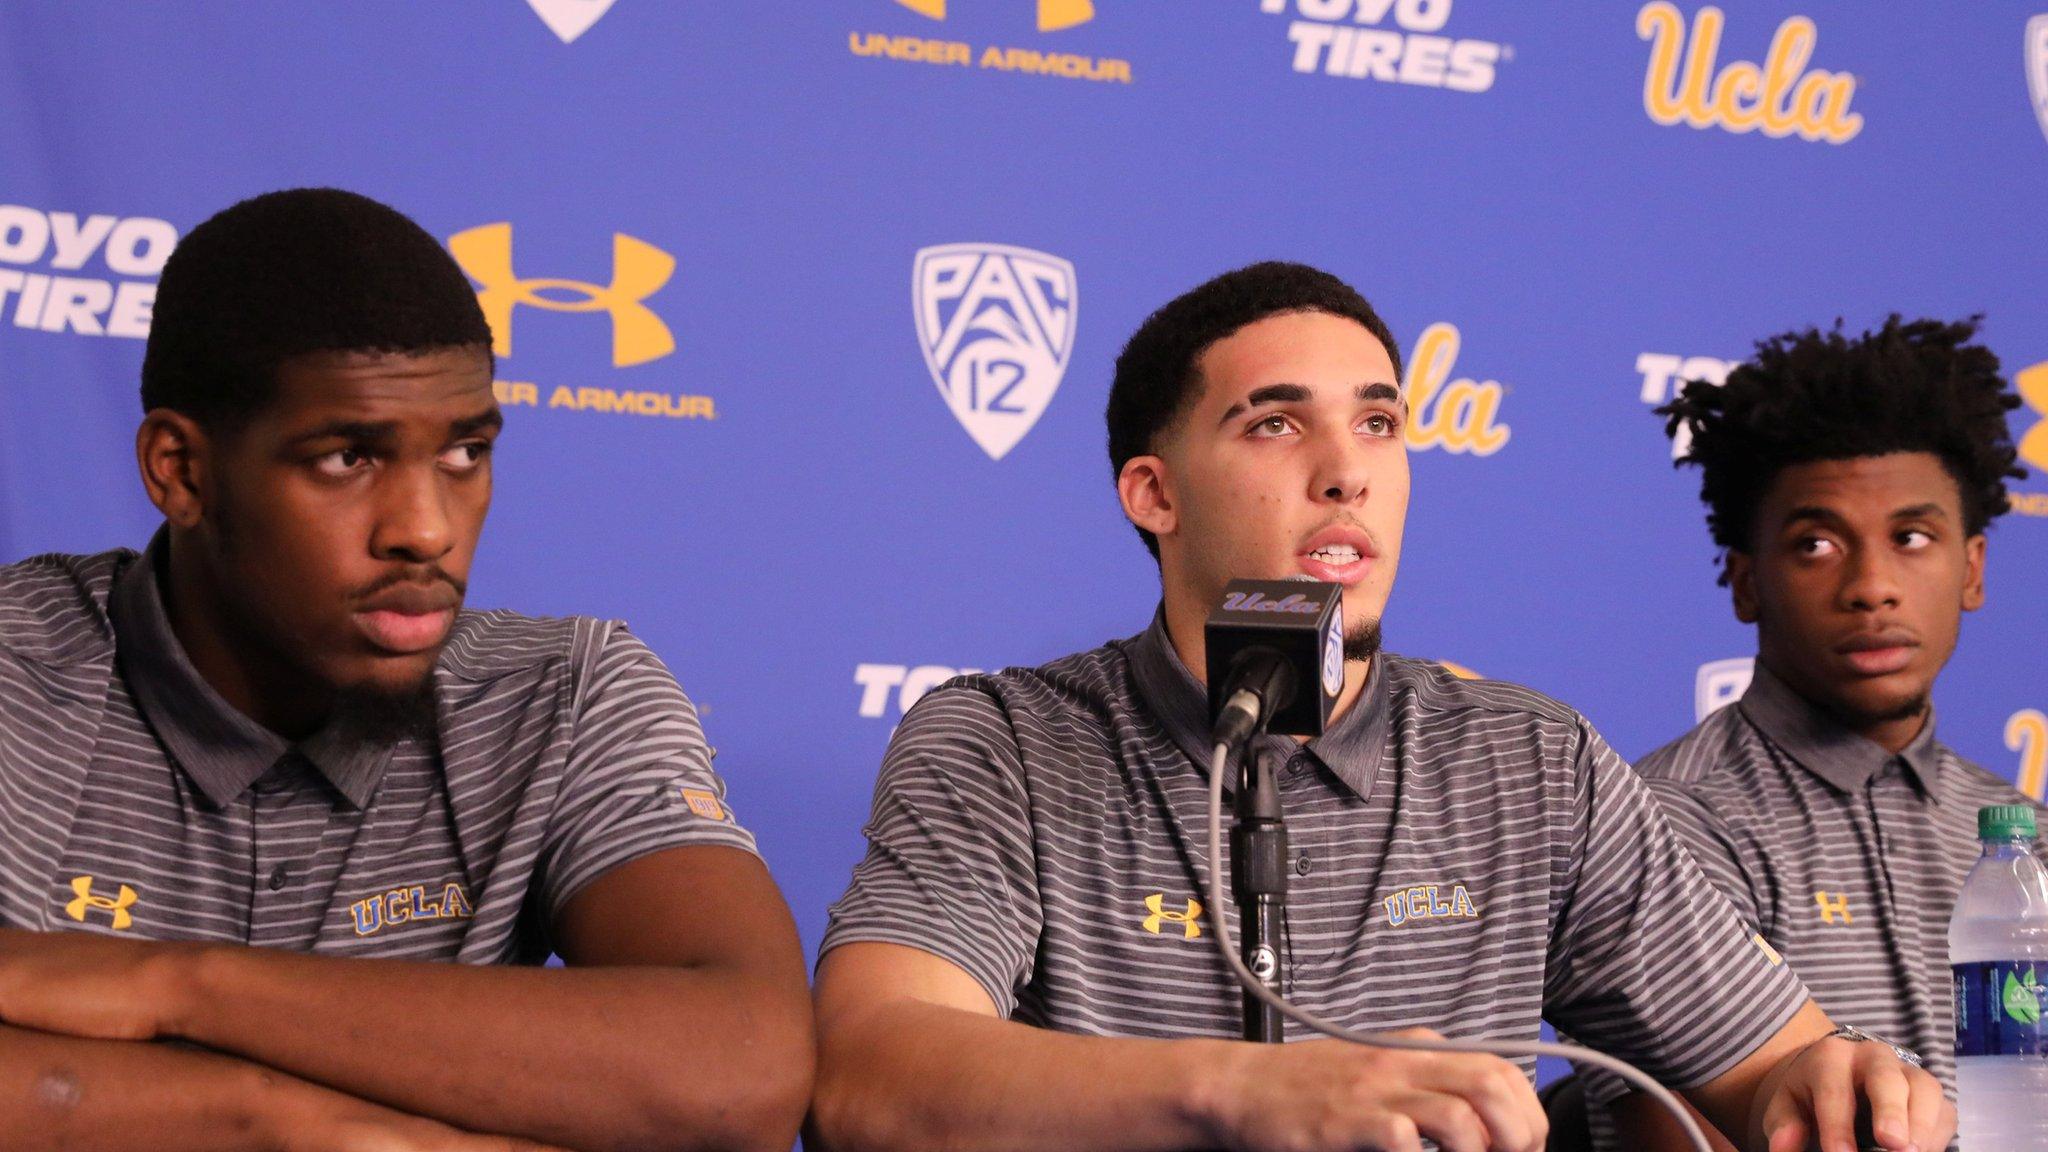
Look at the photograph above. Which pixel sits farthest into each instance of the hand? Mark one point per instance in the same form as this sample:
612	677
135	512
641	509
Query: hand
1815	1102
92	987
1325	1094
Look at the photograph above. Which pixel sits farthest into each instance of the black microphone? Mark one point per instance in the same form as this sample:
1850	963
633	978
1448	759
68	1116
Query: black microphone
1275	658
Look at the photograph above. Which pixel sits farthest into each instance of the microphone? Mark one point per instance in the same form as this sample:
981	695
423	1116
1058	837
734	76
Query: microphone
1275	658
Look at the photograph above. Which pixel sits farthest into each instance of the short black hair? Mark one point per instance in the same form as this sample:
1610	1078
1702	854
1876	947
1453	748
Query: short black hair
1910	386
1155	374
290	273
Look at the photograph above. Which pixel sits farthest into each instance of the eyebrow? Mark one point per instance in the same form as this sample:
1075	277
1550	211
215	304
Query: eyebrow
1296	393
375	430
1830	516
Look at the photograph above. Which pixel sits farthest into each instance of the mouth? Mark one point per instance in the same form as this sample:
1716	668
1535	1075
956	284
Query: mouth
1338	555
1878	653
408	620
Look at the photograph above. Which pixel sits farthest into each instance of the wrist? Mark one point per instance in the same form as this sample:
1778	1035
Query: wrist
182	980
1212	1079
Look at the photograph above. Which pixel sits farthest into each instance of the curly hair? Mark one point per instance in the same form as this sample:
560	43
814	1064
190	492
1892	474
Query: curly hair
1910	386
1155	373
290	273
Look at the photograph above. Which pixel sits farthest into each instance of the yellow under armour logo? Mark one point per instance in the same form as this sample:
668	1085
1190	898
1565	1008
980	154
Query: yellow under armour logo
2033	386
87	898
1190	920
1053	15
1833	904
639	269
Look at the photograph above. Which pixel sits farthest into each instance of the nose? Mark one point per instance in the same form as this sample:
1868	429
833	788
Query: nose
413	524
1341	471
1870	582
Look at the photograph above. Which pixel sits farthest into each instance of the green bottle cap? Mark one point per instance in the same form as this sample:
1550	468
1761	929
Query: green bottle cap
2005	822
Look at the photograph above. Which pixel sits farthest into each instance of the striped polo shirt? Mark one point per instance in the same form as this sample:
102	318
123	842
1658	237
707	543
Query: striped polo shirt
1468	856
135	801
1845	857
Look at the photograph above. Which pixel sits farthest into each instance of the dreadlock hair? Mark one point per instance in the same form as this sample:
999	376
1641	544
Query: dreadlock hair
1910	386
1155	377
290	273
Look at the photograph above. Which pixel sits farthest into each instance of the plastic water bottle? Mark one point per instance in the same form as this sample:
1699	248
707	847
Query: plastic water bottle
1998	948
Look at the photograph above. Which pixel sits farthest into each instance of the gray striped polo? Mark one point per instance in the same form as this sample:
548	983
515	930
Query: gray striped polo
1845	857
1469	857
134	800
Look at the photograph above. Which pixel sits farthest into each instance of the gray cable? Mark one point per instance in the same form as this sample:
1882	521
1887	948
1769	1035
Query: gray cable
1219	762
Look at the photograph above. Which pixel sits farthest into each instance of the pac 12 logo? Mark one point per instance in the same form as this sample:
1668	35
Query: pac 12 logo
568	19
1719	684
2037	67
996	325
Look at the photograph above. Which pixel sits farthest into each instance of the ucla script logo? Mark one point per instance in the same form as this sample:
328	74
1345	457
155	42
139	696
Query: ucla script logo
996	325
1778	97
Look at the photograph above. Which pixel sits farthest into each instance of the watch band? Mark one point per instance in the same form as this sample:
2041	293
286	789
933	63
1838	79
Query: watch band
1851	1032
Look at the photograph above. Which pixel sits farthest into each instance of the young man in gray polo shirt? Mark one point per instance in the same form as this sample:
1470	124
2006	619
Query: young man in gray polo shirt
276	727
1022	959
1849	481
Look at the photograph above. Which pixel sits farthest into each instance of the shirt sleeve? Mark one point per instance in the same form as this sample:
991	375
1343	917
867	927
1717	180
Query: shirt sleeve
950	868
1648	962
639	775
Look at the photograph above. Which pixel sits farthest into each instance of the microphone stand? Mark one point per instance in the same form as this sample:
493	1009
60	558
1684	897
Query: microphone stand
1258	882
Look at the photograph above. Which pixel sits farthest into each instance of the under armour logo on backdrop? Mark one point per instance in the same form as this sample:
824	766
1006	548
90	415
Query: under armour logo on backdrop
639	269
568	19
2037	66
1053	15
996	324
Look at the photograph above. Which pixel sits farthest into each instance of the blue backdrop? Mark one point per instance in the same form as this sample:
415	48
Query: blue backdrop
749	419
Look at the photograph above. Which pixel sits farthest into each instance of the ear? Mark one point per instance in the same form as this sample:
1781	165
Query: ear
1143	489
1742	585
1973	576
173	453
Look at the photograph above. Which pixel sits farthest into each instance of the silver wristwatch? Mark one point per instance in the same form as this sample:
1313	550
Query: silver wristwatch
1851	1032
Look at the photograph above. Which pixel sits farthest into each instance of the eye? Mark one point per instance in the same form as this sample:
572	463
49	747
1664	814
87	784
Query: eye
1814	546
1380	424
1914	539
465	457
343	462
1270	427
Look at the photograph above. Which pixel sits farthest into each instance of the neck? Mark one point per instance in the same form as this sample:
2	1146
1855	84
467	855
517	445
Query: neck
259	686
1186	614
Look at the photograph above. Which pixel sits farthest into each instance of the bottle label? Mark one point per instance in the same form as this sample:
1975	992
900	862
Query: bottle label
1999	1005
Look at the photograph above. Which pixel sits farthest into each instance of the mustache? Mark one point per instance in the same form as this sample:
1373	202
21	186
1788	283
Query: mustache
418	575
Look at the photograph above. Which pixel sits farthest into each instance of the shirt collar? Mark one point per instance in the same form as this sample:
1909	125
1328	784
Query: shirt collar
219	748
1821	745
1350	748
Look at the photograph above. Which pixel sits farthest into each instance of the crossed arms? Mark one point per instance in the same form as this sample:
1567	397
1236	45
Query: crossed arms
680	1023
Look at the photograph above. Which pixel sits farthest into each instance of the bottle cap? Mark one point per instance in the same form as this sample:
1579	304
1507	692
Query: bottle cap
2005	822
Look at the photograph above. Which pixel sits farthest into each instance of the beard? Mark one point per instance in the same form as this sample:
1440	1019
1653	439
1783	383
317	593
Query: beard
366	715
1857	721
1362	640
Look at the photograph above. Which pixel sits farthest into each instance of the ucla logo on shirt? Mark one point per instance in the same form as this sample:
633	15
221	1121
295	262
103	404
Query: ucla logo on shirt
996	325
87	903
409	905
1425	902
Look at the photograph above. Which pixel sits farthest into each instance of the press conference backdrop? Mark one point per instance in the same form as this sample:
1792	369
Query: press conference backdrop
806	312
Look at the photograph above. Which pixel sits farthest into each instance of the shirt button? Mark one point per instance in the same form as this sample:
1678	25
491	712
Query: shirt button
278	876
1301	865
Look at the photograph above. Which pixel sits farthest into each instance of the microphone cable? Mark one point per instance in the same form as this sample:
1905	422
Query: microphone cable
1505	1048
